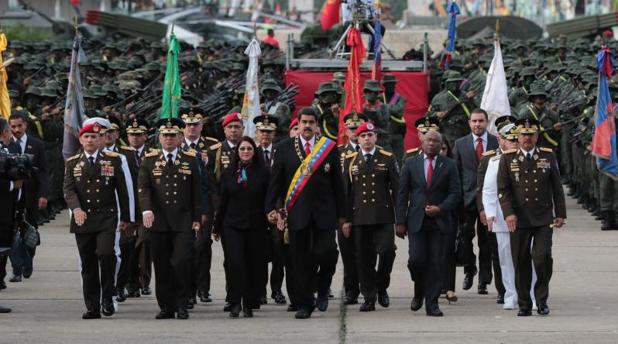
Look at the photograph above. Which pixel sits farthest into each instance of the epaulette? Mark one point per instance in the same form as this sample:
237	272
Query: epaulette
154	152
192	153
489	152
382	151
215	146
544	149
508	151
73	157
111	154
127	148
211	139
351	155
412	150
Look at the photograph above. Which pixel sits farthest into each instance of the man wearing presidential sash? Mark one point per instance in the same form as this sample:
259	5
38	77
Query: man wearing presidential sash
306	175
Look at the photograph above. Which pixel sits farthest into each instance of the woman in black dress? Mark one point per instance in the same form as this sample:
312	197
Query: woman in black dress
241	222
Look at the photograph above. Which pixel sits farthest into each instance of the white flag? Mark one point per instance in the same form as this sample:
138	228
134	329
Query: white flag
251	103
496	96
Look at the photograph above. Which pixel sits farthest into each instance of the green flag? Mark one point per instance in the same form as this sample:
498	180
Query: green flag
171	88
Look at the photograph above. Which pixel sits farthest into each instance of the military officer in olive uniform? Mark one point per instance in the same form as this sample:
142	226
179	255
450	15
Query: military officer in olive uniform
170	200
532	201
202	252
372	181
275	108
377	112
326	106
395	105
549	121
423	125
452	109
347	247
95	190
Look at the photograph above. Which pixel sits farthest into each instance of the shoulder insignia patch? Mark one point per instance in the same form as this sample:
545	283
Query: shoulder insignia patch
112	154
127	148
73	157
489	152
383	152
351	155
543	149
210	139
412	150
192	153
215	146
509	151
154	152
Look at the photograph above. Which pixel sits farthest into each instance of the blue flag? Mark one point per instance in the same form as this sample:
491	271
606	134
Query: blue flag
377	54
453	11
74	111
604	139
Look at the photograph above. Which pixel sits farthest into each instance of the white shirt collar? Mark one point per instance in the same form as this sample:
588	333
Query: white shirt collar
353	144
111	148
525	152
174	153
230	144
189	142
140	149
483	137
95	154
426	157
303	141
372	152
269	148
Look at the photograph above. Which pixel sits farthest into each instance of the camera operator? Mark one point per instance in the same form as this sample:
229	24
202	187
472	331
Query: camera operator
9	194
361	10
35	190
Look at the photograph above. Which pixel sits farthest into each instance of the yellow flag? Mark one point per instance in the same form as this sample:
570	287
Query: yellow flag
5	101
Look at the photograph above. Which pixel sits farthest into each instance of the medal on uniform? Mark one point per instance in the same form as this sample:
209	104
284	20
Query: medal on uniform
517	177
306	169
326	167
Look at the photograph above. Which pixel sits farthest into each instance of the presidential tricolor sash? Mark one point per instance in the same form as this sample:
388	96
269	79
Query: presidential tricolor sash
311	163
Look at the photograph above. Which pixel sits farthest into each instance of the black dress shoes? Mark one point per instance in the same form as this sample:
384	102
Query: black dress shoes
322	304
523	312
5	310
91	315
122	296
304	313
235	310
165	315
247	312
482	289
467	282
383	299
204	297
107	307
367	306
227	307
182	313
279	298
27	272
350	299
2	285
543	310
16	278
293	308
434	312
133	293
416	304
263	300
500	300
145	291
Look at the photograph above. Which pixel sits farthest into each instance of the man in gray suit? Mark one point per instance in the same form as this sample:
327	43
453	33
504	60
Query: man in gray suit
429	192
467	152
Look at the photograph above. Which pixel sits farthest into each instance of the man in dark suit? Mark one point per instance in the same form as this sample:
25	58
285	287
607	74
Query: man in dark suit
35	189
9	190
314	217
96	192
429	193
170	198
467	152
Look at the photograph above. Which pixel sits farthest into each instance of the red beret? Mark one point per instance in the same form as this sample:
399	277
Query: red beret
90	128
293	124
367	126
231	117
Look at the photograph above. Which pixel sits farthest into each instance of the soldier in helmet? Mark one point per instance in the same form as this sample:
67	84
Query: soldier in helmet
326	106
452	109
377	112
395	105
275	108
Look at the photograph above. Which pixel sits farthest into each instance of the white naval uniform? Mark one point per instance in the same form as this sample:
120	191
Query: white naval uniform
492	209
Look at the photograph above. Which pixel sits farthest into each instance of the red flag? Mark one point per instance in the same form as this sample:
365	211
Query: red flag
330	14
352	86
75	3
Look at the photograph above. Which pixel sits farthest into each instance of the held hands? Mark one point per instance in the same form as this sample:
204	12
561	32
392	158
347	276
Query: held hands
148	219
346	229
401	231
79	216
432	210
490	223
196	226
273	216
511	223
42	203
483	217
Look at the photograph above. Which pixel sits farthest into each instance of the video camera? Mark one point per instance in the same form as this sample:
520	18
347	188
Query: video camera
16	166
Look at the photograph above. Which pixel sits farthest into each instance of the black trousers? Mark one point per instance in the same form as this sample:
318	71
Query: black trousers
450	263
495	263
312	251
524	256
349	257
281	267
98	259
426	262
144	260
472	226
170	254
32	215
373	243
246	256
127	277
202	259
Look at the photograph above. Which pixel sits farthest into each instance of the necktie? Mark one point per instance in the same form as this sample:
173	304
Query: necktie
429	171
18	141
138	161
528	156
192	145
307	148
170	159
479	149
267	156
91	159
357	148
